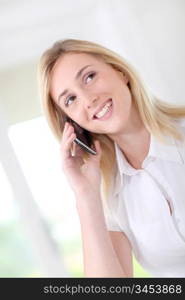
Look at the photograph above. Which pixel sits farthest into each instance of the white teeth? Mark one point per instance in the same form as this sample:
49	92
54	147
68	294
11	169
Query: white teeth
104	110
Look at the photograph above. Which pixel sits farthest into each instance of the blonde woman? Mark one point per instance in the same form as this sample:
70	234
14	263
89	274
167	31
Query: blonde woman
130	194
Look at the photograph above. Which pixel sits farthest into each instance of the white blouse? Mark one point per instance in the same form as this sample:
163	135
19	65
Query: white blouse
139	205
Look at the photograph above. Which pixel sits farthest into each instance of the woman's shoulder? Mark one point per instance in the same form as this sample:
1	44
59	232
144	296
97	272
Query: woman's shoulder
181	143
181	122
181	125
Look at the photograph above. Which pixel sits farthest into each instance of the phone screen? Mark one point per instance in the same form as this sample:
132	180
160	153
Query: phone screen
83	137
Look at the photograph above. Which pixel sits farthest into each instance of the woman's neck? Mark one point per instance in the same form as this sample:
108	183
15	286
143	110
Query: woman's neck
134	141
135	148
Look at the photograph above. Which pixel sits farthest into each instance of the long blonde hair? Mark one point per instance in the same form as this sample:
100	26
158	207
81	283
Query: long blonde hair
157	116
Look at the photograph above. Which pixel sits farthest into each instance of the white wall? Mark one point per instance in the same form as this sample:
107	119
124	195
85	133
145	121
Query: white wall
150	34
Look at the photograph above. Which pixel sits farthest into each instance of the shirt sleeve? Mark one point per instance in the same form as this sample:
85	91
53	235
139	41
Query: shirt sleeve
111	223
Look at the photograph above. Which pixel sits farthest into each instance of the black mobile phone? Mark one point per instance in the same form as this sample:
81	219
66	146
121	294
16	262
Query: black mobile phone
83	137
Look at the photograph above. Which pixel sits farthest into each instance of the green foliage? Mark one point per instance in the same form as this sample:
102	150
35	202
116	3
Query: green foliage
16	259
138	270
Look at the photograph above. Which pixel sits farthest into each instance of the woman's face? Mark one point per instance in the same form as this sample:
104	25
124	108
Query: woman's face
82	85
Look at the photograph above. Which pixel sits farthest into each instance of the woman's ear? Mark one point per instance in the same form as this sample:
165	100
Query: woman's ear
124	77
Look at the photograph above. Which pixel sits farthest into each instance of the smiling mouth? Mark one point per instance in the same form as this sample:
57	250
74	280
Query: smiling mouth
105	112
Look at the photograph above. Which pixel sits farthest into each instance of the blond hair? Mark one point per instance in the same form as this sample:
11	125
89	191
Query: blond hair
157	116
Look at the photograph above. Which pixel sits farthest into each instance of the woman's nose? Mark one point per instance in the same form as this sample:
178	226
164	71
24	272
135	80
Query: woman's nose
89	101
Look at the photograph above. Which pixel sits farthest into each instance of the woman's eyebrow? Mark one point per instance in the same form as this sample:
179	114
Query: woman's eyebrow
76	77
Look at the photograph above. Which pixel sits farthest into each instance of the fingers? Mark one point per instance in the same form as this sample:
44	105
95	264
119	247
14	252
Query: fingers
78	150
69	148
67	139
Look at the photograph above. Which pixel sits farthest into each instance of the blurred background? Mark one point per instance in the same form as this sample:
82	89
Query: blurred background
39	225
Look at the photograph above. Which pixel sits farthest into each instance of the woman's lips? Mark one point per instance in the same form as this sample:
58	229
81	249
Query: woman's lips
107	114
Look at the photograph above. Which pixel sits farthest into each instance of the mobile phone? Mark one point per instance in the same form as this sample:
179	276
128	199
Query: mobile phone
83	137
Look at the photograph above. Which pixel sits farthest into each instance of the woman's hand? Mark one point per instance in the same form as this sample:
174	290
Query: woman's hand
81	175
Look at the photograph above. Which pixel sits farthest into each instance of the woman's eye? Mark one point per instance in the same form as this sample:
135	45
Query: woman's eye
88	77
68	99
91	75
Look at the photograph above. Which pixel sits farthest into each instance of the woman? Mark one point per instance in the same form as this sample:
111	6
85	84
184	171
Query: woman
130	195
